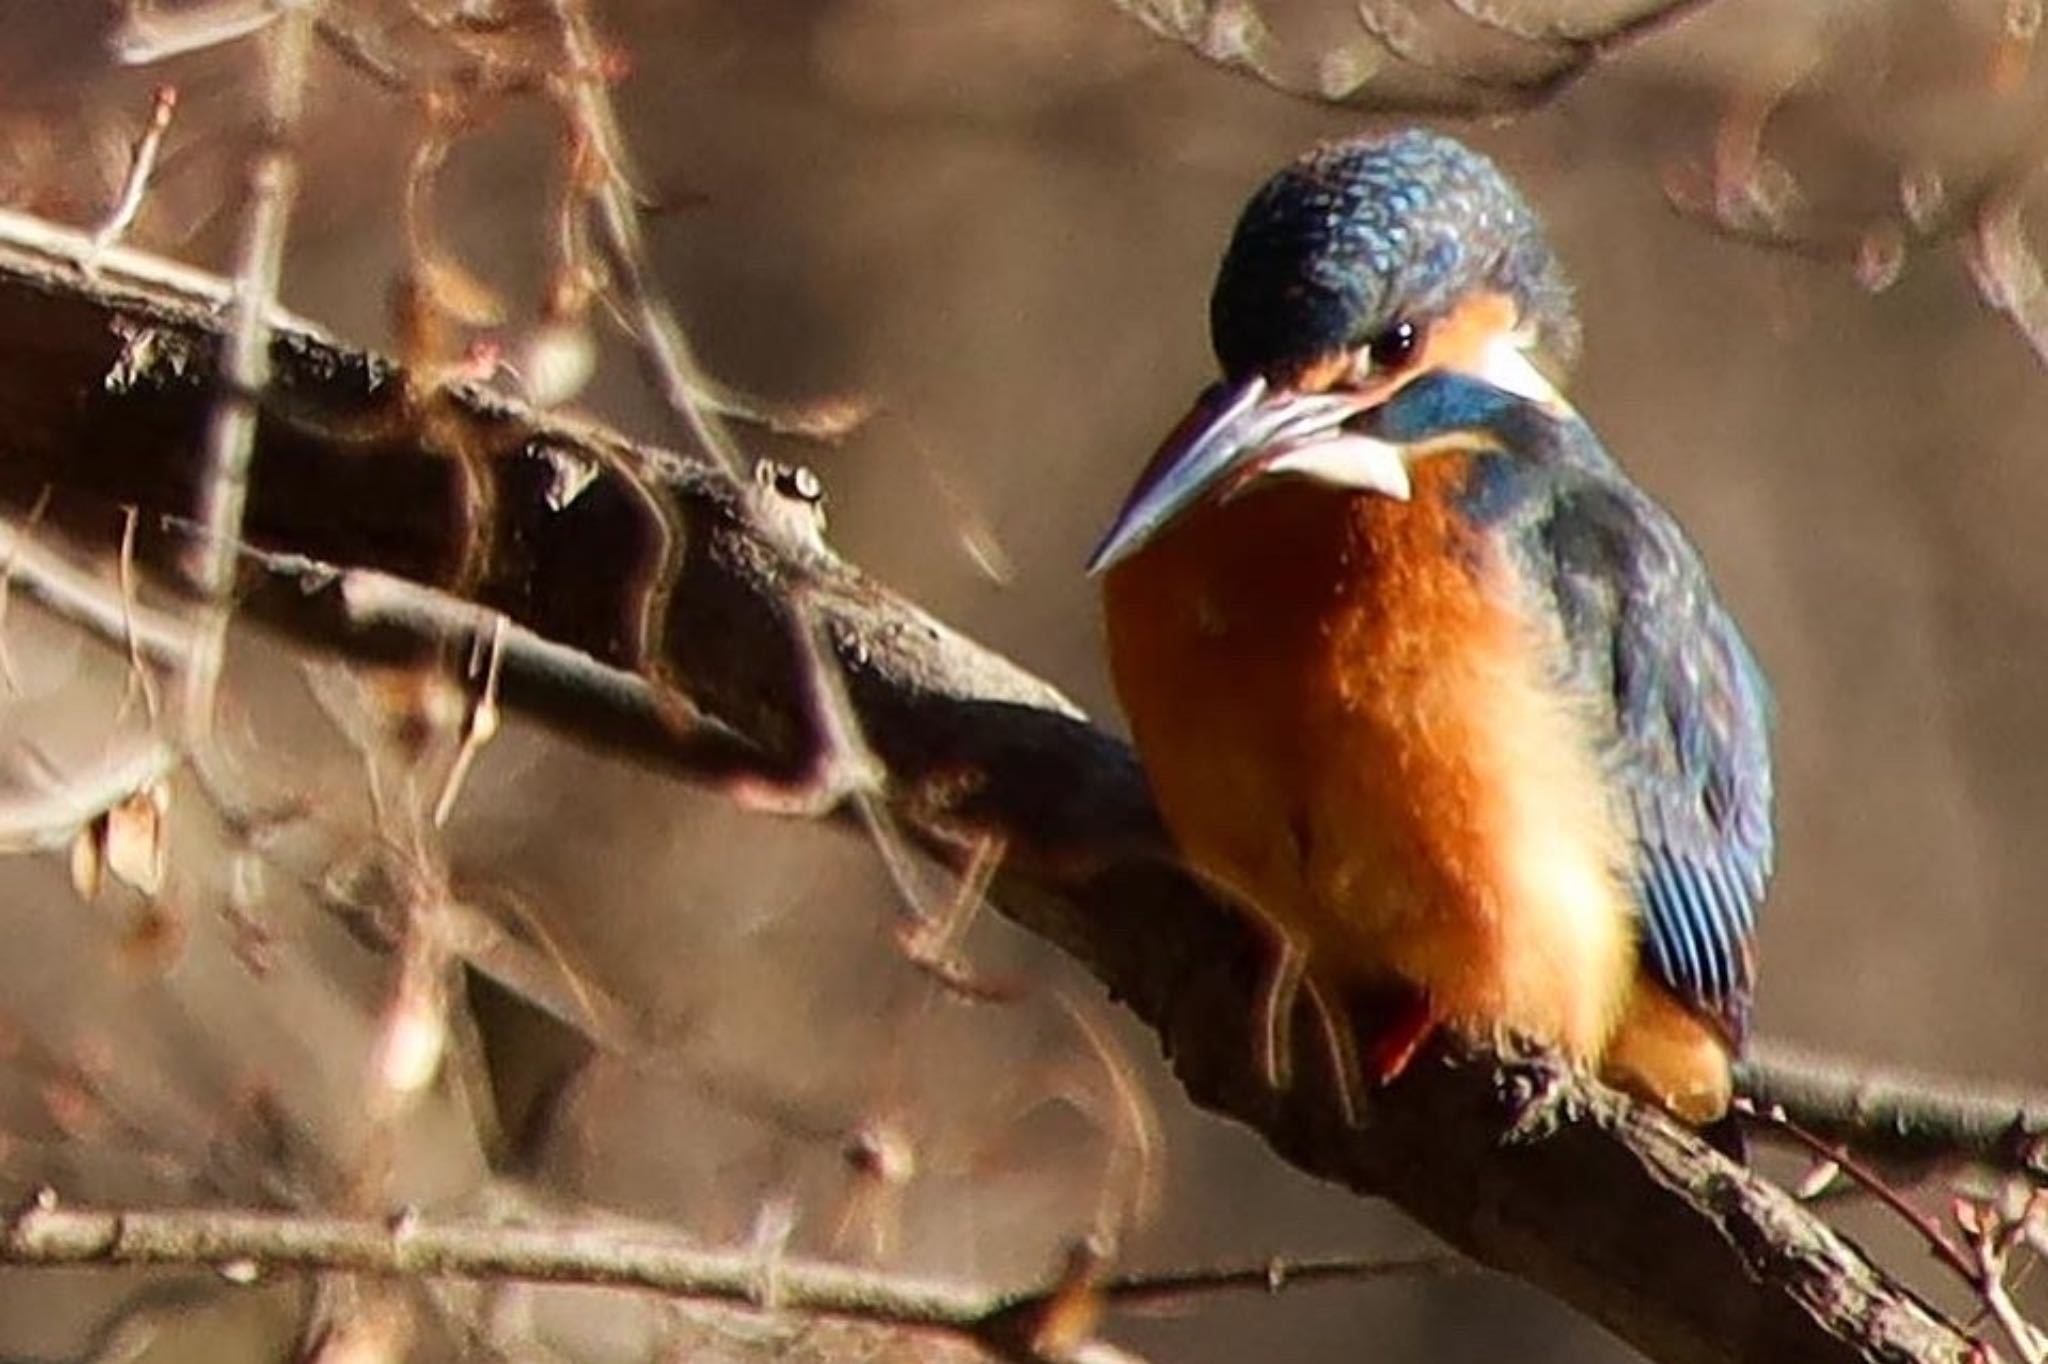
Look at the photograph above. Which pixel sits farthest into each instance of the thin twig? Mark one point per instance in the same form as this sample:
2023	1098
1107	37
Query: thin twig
1568	55
1277	1274
1994	1238
49	1234
1133	1179
245	370
482	726
141	165
843	766
364	55
108	610
670	362
1938	1242
140	677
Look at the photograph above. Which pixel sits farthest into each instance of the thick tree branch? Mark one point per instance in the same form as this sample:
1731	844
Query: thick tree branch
674	591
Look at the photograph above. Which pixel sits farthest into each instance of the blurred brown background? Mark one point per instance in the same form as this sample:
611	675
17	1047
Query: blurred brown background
996	220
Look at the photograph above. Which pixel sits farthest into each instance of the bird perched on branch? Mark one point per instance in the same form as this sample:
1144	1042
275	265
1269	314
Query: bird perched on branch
1416	672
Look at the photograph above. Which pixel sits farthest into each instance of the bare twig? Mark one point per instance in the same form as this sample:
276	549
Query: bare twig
103	608
46	1233
482	726
671	364
536	666
1275	1275
140	676
245	371
1939	1243
141	165
843	767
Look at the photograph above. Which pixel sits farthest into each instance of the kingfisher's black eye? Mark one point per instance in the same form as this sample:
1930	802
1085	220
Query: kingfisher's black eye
1394	347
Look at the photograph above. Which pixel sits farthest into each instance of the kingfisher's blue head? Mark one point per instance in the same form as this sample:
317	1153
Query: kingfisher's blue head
1363	265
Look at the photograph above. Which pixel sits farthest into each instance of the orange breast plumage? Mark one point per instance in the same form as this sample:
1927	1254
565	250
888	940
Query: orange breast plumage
1348	722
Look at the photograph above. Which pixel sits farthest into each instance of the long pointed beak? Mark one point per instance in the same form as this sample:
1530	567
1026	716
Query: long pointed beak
1237	432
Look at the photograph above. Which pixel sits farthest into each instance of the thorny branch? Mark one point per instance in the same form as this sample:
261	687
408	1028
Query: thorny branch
349	545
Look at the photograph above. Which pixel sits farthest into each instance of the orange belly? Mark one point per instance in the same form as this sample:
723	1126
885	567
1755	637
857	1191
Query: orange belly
1346	721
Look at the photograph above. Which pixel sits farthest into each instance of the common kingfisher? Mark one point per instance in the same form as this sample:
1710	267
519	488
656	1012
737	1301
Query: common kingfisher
1416	672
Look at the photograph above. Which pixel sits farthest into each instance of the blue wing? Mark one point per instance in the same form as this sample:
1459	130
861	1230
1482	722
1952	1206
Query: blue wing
1687	720
1682	707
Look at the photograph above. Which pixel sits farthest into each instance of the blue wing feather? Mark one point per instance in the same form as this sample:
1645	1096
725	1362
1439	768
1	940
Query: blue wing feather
1687	722
1681	705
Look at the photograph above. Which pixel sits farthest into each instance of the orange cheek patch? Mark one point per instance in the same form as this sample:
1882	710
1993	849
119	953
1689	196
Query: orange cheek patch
1460	339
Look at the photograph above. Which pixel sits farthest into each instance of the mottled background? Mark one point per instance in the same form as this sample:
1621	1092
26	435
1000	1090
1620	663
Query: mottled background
995	220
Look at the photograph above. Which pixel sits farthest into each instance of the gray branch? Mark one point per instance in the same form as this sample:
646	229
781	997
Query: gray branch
654	607
1900	1118
1013	1324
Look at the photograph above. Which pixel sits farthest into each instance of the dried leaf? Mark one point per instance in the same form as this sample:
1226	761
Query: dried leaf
137	851
88	860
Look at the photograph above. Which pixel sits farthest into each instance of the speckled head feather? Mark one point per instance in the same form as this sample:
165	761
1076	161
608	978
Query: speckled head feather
1361	233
